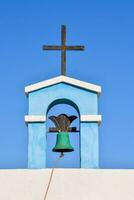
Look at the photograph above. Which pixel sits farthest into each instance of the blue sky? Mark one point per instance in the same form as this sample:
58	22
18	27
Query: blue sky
106	28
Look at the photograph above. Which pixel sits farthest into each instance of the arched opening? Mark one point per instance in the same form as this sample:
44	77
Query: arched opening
70	159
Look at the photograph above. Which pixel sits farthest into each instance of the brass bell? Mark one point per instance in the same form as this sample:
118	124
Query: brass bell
63	143
62	123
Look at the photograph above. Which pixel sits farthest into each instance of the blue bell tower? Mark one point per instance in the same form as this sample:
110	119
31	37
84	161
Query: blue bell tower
81	95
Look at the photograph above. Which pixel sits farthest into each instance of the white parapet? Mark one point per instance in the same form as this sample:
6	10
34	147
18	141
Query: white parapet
72	184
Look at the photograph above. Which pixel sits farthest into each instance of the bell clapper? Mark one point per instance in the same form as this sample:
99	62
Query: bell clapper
62	154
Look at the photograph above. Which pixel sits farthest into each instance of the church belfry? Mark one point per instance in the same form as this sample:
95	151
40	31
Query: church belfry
71	131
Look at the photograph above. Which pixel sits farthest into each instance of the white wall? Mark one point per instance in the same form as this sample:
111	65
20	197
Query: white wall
70	184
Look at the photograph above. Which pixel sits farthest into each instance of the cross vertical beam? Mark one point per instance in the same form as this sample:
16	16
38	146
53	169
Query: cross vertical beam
63	50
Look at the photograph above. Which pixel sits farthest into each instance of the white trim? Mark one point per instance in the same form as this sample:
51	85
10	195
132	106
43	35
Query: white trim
65	79
83	118
91	118
34	118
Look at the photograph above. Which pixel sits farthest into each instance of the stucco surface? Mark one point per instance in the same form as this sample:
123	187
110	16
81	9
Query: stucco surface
72	184
89	145
37	145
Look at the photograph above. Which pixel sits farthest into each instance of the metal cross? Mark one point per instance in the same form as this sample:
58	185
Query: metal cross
63	47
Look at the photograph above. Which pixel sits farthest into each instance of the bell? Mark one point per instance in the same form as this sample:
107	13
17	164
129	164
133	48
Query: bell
63	143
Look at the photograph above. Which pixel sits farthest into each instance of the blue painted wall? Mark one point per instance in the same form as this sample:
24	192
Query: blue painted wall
89	145
37	145
87	103
41	99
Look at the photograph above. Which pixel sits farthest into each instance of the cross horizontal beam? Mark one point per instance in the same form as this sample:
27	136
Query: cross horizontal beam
57	47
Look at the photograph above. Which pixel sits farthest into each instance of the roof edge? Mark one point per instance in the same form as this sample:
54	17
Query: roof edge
64	79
